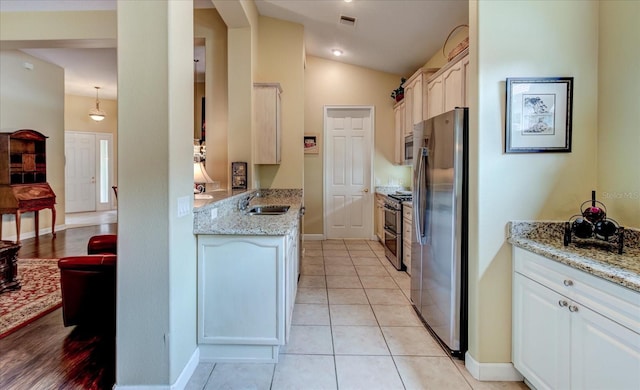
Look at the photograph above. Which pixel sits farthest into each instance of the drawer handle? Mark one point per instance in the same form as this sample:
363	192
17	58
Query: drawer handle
568	282
573	308
562	303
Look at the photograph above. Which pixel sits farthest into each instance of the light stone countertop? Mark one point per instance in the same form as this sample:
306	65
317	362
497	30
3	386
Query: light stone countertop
386	190
232	221
593	257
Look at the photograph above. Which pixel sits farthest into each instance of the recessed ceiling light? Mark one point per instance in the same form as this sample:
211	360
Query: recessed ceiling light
348	1
336	52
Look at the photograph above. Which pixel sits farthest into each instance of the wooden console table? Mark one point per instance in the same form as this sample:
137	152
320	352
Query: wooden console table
18	199
9	266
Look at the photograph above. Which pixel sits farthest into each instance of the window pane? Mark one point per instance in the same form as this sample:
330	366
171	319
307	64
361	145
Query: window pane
104	171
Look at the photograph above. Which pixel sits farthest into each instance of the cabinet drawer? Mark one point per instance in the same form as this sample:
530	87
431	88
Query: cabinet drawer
615	302
406	228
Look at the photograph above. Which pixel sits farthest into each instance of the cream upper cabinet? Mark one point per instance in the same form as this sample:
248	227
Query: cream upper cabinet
267	111
452	87
465	82
447	89
415	92
399	117
435	103
413	97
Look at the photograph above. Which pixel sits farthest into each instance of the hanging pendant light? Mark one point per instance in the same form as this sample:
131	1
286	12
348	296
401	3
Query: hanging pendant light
96	113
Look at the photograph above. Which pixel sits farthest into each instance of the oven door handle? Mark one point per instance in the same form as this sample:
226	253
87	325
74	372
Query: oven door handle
390	231
386	206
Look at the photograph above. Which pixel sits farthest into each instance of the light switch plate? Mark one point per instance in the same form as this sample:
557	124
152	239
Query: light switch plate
183	206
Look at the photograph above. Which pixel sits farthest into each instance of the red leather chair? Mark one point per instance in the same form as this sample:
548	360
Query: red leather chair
88	290
103	243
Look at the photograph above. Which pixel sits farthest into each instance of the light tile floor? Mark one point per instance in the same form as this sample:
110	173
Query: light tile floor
353	327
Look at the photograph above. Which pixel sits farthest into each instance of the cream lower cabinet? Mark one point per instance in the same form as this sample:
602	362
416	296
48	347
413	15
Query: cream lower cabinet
246	292
407	225
379	217
572	330
291	280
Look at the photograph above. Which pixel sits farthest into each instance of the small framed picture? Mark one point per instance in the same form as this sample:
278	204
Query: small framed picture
239	175
538	114
311	144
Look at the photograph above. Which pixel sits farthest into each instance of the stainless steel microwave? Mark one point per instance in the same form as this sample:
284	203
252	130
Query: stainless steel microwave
408	150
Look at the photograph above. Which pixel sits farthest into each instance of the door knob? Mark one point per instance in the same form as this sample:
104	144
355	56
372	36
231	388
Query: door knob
366	190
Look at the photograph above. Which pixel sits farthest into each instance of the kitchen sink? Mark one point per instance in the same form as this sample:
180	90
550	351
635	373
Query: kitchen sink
268	210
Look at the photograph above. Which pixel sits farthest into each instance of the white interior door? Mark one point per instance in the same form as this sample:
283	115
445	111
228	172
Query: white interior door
348	200
80	172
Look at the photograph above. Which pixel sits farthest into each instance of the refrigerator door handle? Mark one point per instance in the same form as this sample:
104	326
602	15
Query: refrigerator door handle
422	187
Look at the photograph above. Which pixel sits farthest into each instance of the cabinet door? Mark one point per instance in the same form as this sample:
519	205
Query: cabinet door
465	81
268	124
604	354
380	217
406	238
408	110
399	133
541	338
224	286
416	106
452	87
291	277
434	97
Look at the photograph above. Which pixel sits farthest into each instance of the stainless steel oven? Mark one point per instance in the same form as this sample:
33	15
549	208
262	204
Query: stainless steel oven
393	228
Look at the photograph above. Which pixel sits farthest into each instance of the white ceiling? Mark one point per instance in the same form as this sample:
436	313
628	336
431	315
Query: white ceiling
395	36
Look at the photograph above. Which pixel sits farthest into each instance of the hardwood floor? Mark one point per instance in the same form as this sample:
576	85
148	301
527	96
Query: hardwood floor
45	354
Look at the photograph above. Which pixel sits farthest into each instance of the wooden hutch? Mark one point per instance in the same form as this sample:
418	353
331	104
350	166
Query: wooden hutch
23	178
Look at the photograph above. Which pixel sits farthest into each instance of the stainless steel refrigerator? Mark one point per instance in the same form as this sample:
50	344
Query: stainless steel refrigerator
439	237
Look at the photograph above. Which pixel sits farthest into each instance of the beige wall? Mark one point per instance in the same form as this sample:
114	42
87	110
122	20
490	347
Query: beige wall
156	306
76	118
334	83
18	28
504	187
618	91
209	25
280	59
34	99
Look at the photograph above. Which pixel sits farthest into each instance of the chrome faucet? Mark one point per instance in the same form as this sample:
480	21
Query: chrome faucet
244	203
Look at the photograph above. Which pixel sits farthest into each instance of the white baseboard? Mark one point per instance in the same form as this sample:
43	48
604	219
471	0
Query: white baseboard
32	233
314	237
505	372
180	383
187	371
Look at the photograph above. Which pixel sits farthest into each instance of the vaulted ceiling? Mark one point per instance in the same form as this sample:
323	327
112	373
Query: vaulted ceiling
395	36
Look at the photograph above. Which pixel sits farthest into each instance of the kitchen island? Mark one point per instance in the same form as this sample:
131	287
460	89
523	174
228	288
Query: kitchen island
576	309
248	267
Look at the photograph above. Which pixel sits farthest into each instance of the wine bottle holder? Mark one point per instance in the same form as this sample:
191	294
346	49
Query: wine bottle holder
592	226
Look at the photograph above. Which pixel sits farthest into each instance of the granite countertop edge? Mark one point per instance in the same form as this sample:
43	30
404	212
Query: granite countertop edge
623	270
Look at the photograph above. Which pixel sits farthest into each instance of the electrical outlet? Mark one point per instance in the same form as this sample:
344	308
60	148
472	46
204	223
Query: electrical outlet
214	213
183	206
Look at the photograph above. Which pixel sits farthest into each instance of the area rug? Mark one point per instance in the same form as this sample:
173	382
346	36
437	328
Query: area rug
39	295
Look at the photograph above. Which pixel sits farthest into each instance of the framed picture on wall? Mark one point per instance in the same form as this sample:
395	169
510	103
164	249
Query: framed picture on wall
311	144
538	114
239	175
